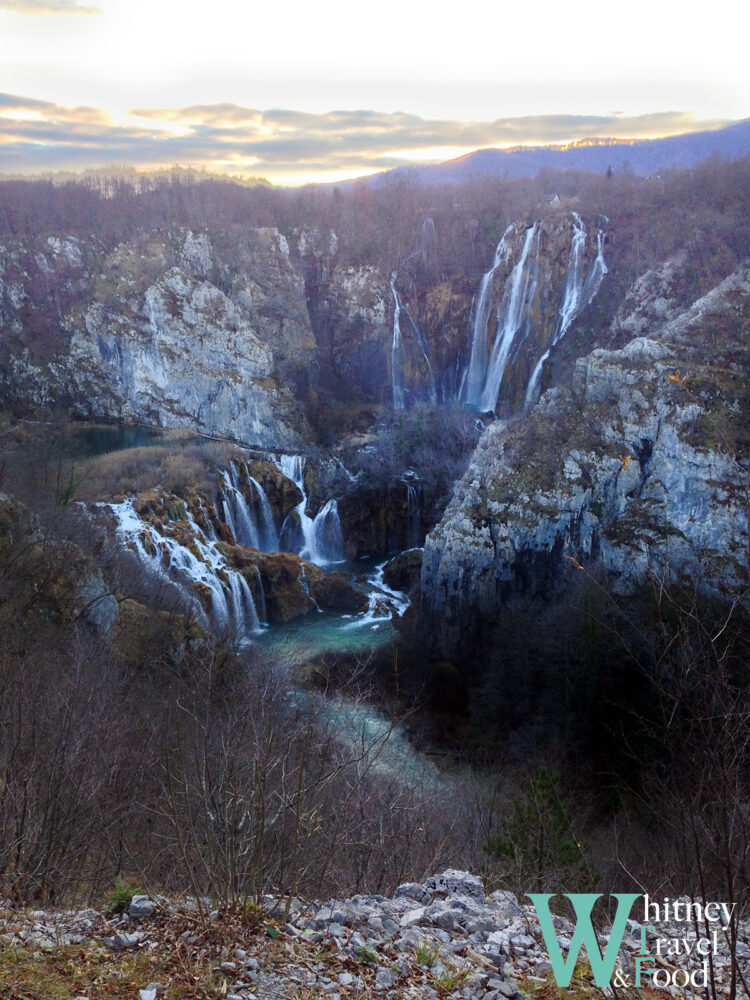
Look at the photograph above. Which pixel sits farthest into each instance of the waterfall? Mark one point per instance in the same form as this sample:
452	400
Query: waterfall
397	351
490	356
413	504
268	536
420	352
262	612
306	586
427	234
236	512
329	543
186	565
428	243
250	530
322	541
578	292
474	379
486	374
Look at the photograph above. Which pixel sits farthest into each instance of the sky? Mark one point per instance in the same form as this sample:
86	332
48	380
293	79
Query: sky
301	91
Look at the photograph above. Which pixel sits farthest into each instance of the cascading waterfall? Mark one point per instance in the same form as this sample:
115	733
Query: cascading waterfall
384	602
268	535
252	525
399	355
397	351
261	603
322	541
413	513
577	293
427	235
306	586
329	542
236	512
166	557
483	384
475	375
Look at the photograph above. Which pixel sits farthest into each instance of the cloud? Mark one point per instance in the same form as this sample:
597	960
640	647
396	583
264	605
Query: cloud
37	7
279	143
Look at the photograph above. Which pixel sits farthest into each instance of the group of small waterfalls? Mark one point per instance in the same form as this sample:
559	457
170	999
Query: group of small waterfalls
506	319
184	550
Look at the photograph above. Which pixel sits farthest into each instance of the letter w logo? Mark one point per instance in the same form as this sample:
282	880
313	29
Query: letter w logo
583	904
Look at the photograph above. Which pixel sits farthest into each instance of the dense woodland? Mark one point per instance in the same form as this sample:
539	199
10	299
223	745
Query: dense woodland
704	209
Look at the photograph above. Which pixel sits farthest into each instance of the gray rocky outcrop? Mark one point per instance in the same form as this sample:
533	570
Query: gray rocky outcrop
635	468
145	333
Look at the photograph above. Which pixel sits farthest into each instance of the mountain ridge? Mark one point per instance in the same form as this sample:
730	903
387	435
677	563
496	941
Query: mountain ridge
596	154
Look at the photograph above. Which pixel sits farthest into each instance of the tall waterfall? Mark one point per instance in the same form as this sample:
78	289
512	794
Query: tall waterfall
500	332
477	370
577	293
166	556
408	356
321	540
397	351
482	388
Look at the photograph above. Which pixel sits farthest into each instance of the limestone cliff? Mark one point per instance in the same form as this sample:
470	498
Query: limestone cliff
146	333
638	466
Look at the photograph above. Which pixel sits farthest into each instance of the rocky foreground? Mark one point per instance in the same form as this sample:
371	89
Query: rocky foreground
441	938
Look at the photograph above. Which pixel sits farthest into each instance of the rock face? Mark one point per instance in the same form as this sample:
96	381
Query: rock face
143	335
636	467
283	495
351	313
239	334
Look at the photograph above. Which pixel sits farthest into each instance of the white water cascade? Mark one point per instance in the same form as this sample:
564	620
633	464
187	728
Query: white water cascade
475	374
418	349
252	525
486	367
397	351
322	541
413	505
163	555
577	293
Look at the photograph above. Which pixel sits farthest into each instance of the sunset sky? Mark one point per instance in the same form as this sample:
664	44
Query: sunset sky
322	91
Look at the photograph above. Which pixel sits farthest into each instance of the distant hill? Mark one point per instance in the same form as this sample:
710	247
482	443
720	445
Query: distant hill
643	156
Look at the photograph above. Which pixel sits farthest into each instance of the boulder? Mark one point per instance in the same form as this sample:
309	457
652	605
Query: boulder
457	883
141	907
333	592
288	582
403	571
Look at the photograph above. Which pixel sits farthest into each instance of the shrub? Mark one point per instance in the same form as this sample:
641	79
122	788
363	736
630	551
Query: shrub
537	843
121	898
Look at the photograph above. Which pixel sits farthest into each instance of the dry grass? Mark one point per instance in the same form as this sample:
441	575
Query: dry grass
185	463
55	459
182	953
582	987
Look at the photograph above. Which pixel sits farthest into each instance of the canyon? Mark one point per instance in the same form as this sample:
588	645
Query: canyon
595	452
